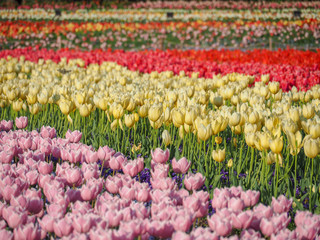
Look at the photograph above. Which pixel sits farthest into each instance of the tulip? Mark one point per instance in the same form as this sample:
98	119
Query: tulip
281	204
160	156
194	181
181	166
116	161
28	232
204	132
311	148
73	137
166	138
219	155
154	113
276	145
62	227
21	122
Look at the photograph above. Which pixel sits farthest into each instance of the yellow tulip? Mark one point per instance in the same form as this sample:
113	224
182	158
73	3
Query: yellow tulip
219	155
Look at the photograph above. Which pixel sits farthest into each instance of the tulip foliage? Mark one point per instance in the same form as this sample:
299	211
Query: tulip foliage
52	186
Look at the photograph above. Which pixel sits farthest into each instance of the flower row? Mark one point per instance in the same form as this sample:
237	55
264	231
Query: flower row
131	15
158	35
290	67
224	5
84	198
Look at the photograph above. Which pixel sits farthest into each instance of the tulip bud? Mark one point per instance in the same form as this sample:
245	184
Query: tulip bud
84	110
17	105
311	148
230	163
218	140
235	118
118	111
274	87
65	107
166	138
204	132
129	120
219	155
103	104
154	113
265	78
143	111
276	145
308	111
177	117
218	101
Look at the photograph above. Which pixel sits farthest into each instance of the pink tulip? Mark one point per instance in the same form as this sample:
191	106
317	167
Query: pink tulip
73	137
45	168
19	201
81	208
25	142
163	183
90	171
46	223
160	229
236	191
135	225
87	193
6	125
267	227
160	171
287	234
113	184
142	194
21	122
250	234
56	210
236	204
194	181
127	193
10	191
82	223
160	156
179	235
62	227
4	234
6	157
105	153
32	177
281	204
205	233
181	166
48	132
130	168
27	232
14	217
242	220
182	221
114	218
74	176
116	161
219	225
91	156
250	198
158	195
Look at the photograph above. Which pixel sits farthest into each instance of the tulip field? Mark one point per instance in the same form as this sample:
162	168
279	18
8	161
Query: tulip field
181	120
